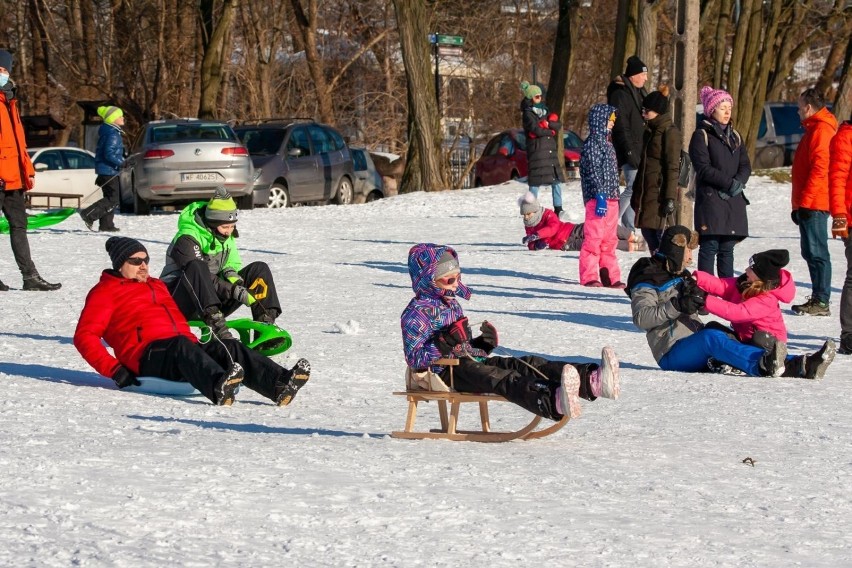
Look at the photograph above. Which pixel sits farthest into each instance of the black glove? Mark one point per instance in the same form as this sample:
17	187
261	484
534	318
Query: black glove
689	303
454	334
488	340
667	207
124	378
794	215
530	238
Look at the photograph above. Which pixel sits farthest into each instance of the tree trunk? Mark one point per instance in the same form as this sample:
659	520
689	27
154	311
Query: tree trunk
737	52
215	54
843	102
646	33
39	95
423	171
721	45
307	26
560	69
625	35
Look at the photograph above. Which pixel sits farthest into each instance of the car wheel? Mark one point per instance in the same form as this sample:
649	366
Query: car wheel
345	192
141	207
477	182
245	202
515	175
374	195
279	197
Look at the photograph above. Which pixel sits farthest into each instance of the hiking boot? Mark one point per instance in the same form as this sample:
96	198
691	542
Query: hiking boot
37	283
298	376
112	229
86	220
772	362
215	320
716	366
568	394
812	307
845	347
225	389
817	363
3	287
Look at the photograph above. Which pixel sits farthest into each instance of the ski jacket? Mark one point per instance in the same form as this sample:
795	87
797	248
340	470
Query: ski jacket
810	166
109	154
430	311
840	169
656	180
758	313
651	289
628	129
196	241
15	164
718	156
550	230
598	164
128	315
542	146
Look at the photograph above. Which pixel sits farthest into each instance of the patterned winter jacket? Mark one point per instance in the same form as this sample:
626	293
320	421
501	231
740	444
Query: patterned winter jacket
758	313
109	154
128	315
430	311
550	230
196	241
651	289
598	164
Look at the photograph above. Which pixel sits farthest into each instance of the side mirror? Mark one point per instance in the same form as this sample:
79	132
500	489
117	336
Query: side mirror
294	152
42	167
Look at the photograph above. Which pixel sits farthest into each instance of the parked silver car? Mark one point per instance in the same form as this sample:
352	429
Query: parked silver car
184	160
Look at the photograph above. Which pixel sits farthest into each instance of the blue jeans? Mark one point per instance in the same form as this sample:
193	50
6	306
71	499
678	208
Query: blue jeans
628	216
556	190
717	250
690	354
813	228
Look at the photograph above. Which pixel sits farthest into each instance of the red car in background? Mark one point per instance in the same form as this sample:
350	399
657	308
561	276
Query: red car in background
505	157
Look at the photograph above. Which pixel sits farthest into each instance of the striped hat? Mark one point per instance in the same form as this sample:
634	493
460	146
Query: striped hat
110	113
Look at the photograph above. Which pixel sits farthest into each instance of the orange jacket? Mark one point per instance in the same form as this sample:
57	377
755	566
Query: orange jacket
840	169
15	165
810	166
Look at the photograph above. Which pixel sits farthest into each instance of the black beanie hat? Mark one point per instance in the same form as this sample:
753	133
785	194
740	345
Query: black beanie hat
767	265
122	248
6	60
635	66
656	102
673	245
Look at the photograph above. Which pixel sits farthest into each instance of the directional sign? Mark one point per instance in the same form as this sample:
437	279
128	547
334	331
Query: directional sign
449	40
449	51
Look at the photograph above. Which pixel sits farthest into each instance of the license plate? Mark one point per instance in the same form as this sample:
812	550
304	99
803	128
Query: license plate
204	176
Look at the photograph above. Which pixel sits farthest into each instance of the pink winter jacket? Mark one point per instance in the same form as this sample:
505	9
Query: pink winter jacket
761	312
551	230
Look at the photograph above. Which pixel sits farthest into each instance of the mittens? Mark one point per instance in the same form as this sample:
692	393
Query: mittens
600	205
530	238
124	378
454	334
839	227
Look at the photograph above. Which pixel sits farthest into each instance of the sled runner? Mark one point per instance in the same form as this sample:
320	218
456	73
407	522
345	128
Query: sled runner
40	220
269	339
427	386
156	385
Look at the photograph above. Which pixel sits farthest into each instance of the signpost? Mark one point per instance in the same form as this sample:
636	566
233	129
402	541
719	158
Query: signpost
444	46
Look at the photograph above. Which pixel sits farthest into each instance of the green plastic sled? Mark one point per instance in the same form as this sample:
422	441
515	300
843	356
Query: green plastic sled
41	220
265	332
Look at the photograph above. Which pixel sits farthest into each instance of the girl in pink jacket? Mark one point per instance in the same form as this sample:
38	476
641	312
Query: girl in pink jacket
545	230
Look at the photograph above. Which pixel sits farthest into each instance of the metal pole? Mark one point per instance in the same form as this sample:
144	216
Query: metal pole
437	80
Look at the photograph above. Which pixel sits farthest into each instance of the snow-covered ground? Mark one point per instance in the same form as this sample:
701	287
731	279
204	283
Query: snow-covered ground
93	476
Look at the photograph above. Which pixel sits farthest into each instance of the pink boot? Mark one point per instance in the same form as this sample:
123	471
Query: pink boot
568	395
604	380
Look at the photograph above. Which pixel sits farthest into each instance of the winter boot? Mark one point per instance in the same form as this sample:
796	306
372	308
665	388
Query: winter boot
88	222
294	380
215	320
3	287
812	307
604	380
557	210
817	363
845	347
37	283
226	387
772	362
716	366
567	395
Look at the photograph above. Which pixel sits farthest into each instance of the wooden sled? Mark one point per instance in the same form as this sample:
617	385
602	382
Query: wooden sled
436	390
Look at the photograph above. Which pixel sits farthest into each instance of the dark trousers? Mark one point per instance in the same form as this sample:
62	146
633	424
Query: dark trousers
652	237
511	378
103	210
813	230
846	301
14	208
719	251
195	290
203	364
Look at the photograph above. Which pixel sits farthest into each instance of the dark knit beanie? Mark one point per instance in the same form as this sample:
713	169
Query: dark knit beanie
656	102
447	264
6	60
635	66
673	244
767	265
122	248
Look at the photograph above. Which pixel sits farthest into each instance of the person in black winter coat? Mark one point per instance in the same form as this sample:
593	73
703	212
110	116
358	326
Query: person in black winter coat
625	93
722	169
655	190
541	128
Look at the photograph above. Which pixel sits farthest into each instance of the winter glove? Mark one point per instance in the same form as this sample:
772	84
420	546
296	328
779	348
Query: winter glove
794	215
600	205
667	208
540	245
552	117
454	334
236	280
543	124
736	188
488	340
530	238
690	300
124	378
839	228
241	294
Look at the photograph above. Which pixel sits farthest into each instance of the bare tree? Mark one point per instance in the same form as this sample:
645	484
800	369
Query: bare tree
216	53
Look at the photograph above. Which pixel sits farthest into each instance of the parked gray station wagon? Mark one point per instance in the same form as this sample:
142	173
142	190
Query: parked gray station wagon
184	160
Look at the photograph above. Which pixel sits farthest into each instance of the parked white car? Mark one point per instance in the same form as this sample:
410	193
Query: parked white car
63	170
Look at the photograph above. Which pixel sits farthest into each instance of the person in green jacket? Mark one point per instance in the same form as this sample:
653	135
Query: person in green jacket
204	273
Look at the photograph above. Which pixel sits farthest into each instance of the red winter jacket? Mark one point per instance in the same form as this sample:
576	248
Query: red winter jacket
840	169
551	230
128	315
810	166
15	165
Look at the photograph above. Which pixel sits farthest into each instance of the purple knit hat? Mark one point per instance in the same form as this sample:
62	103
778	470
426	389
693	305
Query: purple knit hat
712	98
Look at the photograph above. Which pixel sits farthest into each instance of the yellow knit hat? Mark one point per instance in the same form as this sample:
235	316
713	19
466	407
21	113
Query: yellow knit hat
110	113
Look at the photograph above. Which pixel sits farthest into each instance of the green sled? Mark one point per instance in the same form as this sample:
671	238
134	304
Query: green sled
40	220
278	338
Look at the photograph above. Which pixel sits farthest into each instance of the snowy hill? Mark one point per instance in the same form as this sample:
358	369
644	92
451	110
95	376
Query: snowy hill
96	477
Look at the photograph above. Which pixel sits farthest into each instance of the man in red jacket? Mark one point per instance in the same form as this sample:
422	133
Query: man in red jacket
136	316
812	201
840	181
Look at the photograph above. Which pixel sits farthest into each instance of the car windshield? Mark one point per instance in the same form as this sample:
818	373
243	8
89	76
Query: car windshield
193	132
261	141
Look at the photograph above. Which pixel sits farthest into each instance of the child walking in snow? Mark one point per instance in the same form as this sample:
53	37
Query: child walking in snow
434	326
545	230
599	179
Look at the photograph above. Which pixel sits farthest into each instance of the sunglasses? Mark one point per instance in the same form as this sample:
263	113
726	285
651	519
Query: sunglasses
136	261
447	280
